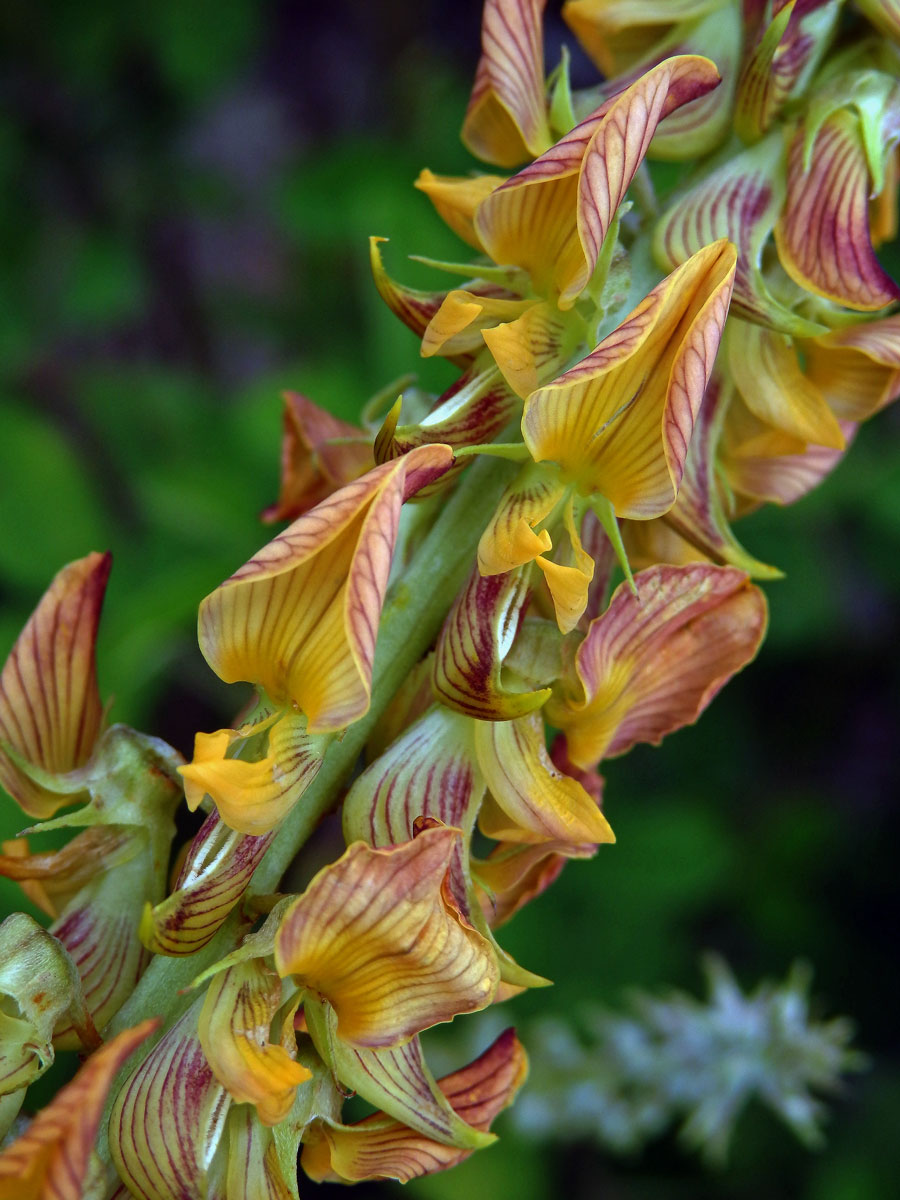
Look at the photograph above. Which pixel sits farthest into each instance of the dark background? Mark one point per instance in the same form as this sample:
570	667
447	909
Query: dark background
185	196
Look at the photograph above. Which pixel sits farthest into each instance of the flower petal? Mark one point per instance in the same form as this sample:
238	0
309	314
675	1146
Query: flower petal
823	233
51	1159
533	348
767	371
456	328
620	422
510	540
398	1081
473	642
234	1031
300	618
319	454
538	802
535	219
654	660
253	796
168	1118
374	934
52	879
378	1148
514	874
456	198
506	120
857	369
215	875
50	709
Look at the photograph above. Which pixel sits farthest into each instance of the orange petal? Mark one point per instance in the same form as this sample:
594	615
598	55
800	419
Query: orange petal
300	618
473	642
533	348
213	878
568	581
823	234
234	1031
50	707
457	326
254	793
53	878
50	1161
374	934
512	875
653	661
620	422
510	540
538	802
857	369
380	1148
506	121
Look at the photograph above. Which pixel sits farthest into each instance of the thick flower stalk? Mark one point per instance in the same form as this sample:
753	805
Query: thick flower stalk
448	649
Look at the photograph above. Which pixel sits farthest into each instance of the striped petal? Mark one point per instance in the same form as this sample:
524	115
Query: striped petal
168	1118
234	1031
376	935
533	348
534	801
382	1148
50	709
300	618
213	878
620	422
766	369
823	233
506	120
430	772
319	454
654	660
253	1170
550	219
456	198
786	52
698	514
398	1081
52	1158
50	880
414	307
254	792
739	201
474	640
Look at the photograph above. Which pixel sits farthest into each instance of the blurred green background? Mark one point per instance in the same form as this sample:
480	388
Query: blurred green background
186	194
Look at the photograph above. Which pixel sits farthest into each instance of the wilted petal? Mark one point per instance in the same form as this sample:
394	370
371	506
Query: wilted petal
457	197
654	660
506	121
768	374
378	1147
168	1118
254	793
398	1081
50	709
823	233
51	1159
52	879
376	936
319	454
214	877
550	219
740	201
535	802
620	422
857	369
473	642
300	618
234	1031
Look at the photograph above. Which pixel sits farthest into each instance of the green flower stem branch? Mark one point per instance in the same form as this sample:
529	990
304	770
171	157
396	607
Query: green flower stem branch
412	616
